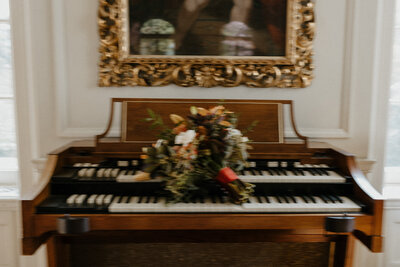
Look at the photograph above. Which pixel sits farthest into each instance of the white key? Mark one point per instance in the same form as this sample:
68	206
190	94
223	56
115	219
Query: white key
99	199
107	172
78	164
134	199
114	172
92	198
94	165
135	162
82	172
116	199
284	164
122	163
80	199
89	172
107	199
71	199
273	164
298	165
87	164
100	173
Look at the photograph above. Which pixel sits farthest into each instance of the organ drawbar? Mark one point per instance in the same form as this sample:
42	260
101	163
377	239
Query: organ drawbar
300	187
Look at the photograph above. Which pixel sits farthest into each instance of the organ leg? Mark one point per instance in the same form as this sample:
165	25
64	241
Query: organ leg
344	251
57	252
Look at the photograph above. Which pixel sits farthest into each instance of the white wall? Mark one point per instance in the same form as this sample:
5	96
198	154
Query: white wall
68	103
56	58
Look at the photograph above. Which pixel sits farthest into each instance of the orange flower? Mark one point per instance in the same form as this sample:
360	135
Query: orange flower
144	156
176	118
202	130
203	111
218	110
180	128
225	123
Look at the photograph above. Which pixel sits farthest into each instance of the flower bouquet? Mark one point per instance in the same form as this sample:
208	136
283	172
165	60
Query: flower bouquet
199	155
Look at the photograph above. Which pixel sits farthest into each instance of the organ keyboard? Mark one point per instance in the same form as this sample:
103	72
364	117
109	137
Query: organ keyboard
298	185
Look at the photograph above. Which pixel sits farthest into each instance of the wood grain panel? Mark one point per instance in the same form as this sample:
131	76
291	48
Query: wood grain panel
269	116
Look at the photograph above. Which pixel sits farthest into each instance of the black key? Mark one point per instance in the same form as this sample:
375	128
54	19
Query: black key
267	199
324	198
270	171
259	199
155	200
337	198
294	171
286	199
259	172
305	198
311	171
331	198
194	200
242	172
317	171
140	199
324	172
201	199
301	171
279	199
213	199
253	172
148	199
221	199
293	199
312	198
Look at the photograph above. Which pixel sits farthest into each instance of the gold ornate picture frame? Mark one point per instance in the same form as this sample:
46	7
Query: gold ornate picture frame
119	66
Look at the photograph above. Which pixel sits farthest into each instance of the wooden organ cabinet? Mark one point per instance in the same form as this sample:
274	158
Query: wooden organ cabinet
310	200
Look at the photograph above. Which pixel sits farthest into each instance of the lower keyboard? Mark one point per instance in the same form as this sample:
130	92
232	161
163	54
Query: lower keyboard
274	205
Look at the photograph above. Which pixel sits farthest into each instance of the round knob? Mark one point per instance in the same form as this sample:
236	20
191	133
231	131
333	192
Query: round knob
72	225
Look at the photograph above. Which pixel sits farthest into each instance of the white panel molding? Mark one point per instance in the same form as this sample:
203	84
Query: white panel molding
26	116
381	87
64	130
348	80
61	65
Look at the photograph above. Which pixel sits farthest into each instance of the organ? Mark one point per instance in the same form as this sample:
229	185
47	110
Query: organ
304	191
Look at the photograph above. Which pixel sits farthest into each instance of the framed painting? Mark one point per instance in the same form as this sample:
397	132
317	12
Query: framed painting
258	43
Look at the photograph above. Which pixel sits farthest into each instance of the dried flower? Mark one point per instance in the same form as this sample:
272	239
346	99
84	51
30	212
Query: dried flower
176	119
225	123
190	156
202	111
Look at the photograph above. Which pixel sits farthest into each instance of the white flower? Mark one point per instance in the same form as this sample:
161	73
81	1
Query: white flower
245	139
184	138
159	143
